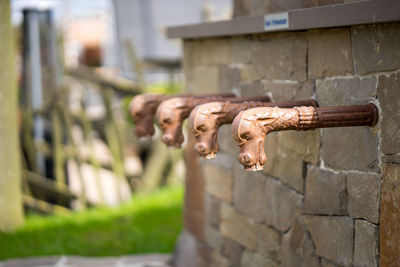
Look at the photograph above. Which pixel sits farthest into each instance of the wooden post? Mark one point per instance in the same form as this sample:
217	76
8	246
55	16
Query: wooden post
27	138
11	212
113	141
155	166
87	129
57	146
76	157
176	157
136	65
32	73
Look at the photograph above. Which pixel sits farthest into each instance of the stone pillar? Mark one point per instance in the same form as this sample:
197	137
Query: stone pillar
194	193
328	197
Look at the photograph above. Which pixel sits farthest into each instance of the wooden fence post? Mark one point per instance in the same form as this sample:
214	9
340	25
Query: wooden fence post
11	212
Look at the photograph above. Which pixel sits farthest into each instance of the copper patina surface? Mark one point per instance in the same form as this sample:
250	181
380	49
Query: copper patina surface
250	127
205	120
172	112
143	108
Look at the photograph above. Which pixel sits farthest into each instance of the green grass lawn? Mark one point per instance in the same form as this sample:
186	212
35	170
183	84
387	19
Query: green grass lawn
148	223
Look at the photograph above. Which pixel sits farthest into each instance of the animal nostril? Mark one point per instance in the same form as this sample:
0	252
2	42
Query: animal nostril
139	131
142	130
200	147
245	158
166	138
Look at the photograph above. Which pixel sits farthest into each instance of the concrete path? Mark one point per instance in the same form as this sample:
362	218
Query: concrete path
144	260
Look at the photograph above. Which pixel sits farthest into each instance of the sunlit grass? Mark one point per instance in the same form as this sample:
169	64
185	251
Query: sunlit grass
164	88
148	223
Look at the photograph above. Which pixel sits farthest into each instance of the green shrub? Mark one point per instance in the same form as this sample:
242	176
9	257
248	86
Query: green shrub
148	223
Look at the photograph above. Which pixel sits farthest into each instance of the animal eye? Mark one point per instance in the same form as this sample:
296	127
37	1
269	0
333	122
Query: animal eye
167	121
245	136
201	128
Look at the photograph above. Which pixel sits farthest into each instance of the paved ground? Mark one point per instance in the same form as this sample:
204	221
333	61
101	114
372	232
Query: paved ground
145	260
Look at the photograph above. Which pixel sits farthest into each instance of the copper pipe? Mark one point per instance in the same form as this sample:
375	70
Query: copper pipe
143	107
250	127
205	120
347	116
172	112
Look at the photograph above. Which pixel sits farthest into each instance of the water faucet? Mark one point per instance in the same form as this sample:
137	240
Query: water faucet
172	112
143	108
250	127
205	120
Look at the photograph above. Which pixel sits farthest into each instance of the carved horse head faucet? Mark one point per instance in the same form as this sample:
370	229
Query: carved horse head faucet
204	122
251	126
142	109
172	112
169	116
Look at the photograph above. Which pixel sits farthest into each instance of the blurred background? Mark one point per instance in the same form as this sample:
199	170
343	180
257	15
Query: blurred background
89	186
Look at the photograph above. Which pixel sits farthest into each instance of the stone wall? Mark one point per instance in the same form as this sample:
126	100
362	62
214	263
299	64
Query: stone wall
261	7
328	197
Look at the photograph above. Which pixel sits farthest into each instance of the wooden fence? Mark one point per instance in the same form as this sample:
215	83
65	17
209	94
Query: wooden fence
60	147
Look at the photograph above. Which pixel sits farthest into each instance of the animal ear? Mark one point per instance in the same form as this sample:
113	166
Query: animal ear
217	109
218	112
267	121
192	120
265	116
152	101
181	105
158	113
265	113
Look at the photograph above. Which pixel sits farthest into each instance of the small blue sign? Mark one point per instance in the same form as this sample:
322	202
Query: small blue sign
276	21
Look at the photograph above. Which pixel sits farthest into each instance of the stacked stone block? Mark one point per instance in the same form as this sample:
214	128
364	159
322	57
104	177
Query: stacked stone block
328	197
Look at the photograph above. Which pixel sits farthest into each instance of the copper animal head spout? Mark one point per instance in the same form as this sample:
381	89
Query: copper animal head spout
207	118
142	109
172	112
170	115
204	122
251	126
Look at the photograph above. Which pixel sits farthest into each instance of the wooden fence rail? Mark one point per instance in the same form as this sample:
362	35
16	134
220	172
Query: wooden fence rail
46	195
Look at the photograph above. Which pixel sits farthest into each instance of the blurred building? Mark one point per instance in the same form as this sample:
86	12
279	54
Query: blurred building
96	33
143	23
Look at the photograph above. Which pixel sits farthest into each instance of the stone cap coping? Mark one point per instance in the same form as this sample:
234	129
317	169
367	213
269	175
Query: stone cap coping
362	12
